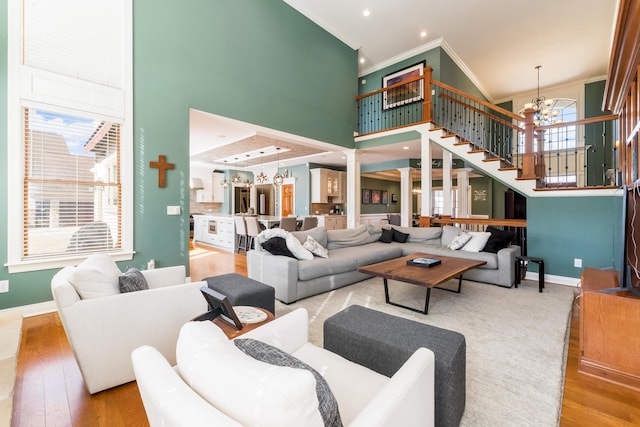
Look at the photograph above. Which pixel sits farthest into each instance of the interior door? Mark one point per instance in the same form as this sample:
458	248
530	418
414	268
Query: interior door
287	200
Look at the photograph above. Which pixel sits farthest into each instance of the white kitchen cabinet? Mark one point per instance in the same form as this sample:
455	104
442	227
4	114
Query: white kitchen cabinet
217	189
212	191
216	231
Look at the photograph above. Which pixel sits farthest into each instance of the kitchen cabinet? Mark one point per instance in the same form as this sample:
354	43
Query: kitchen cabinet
216	231
327	186
340	196
335	222
212	191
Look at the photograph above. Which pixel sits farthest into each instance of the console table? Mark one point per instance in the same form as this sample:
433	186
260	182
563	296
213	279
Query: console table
609	326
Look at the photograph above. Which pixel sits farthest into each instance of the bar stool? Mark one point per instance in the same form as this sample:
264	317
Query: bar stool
241	232
520	263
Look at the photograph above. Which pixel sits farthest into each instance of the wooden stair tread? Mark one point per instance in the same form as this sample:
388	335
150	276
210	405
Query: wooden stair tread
492	159
450	135
463	143
477	151
509	168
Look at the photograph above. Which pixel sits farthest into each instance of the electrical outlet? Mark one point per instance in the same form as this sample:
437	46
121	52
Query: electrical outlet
577	262
4	286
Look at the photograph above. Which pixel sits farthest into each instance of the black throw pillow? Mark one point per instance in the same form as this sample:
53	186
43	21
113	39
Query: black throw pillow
399	236
499	239
132	280
387	235
277	246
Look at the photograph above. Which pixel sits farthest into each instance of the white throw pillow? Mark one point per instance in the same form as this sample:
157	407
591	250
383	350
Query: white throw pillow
478	241
459	241
95	277
249	391
315	248
296	248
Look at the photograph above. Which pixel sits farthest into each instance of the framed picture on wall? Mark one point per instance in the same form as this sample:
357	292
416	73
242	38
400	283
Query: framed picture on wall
385	197
376	196
366	197
394	198
406	93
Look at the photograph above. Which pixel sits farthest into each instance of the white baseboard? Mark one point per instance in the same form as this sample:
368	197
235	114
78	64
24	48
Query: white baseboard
33	309
550	278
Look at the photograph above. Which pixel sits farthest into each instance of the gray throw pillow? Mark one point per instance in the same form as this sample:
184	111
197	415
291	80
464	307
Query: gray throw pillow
327	404
132	280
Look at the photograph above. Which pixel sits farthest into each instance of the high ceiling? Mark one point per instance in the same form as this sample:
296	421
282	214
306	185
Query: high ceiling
497	43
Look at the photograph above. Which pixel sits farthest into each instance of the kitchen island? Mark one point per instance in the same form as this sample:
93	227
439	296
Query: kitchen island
216	230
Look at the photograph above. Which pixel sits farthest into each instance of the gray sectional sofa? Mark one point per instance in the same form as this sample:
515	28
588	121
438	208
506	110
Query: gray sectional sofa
294	279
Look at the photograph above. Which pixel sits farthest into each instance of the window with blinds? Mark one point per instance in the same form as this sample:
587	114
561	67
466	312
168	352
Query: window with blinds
72	189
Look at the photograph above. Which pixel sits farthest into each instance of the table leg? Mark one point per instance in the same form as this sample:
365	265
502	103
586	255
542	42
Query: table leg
453	290
426	302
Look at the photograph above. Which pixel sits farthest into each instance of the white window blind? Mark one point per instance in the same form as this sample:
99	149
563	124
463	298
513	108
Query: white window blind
82	39
72	189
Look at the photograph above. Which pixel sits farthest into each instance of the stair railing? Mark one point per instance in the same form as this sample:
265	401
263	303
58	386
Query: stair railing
543	153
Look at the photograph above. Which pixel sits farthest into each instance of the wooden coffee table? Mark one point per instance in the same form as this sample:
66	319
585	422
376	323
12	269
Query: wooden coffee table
397	269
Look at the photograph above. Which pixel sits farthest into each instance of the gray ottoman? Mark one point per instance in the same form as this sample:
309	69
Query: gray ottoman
383	343
243	291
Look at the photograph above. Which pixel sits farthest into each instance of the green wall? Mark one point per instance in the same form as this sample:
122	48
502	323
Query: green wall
258	61
380	184
560	229
600	136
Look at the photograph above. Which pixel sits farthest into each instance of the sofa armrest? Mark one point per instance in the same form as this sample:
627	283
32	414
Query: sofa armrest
167	399
104	331
280	272
165	276
288	332
506	265
408	399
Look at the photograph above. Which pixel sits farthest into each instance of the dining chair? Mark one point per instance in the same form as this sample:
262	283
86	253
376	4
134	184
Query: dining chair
393	219
309	222
253	229
288	223
241	233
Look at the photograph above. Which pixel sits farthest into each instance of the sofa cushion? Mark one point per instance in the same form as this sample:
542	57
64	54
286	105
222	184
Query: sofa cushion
249	391
132	280
340	260
375	232
318	233
499	239
477	242
449	232
399	236
421	234
376	252
277	246
313	246
327	404
95	277
348	237
386	236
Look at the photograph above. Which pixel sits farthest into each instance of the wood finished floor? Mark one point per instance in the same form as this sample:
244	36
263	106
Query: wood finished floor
50	391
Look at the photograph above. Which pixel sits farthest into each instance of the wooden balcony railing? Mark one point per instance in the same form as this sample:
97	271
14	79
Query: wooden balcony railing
555	156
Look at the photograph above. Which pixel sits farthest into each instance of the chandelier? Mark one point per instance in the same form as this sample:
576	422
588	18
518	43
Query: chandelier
262	178
277	178
545	111
236	178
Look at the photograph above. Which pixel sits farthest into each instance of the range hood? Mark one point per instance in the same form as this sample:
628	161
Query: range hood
196	184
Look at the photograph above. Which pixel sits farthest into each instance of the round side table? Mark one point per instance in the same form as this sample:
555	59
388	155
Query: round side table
232	332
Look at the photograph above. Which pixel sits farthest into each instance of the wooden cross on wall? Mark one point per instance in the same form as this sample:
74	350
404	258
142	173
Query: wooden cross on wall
162	167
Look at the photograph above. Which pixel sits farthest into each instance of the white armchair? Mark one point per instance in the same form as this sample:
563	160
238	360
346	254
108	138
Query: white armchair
104	330
214	383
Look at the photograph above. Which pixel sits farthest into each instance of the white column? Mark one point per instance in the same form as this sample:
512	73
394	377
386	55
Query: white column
353	188
447	182
406	201
425	176
464	209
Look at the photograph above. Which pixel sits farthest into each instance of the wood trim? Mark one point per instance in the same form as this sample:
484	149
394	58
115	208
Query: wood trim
500	222
625	55
393	128
590	120
393	86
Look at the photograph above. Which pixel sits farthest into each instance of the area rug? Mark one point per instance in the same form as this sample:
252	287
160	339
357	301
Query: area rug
516	341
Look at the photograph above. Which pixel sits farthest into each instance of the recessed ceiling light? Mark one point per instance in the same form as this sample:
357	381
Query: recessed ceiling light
423	34
405	148
362	60
366	12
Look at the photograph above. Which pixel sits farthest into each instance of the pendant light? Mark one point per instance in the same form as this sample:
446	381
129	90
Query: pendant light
247	182
236	178
277	178
224	182
262	178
